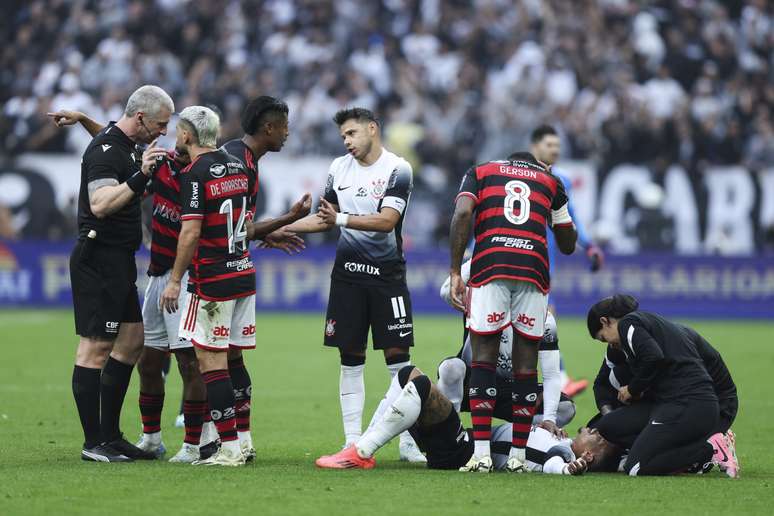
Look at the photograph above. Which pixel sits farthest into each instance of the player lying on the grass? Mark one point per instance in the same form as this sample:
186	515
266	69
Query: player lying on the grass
553	411
416	405
682	432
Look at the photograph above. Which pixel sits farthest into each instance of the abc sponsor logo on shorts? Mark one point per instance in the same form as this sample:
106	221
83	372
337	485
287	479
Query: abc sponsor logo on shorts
248	330
526	320
495	317
221	331
361	267
516	243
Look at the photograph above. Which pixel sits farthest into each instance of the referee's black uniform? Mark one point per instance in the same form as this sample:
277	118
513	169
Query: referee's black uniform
667	365
103	275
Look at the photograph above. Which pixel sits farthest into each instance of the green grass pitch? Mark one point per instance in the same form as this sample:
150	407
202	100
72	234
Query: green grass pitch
295	418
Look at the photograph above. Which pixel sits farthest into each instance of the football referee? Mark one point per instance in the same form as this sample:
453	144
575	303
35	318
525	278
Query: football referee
108	319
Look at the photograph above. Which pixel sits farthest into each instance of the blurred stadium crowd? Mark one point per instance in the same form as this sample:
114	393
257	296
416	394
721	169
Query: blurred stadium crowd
456	82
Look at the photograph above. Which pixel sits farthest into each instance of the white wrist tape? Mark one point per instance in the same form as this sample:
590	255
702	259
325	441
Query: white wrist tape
342	219
561	216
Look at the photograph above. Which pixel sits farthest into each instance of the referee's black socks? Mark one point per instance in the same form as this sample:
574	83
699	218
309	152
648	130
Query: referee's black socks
115	382
86	393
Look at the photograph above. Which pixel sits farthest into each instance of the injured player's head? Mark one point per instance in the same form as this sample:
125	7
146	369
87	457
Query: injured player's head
600	454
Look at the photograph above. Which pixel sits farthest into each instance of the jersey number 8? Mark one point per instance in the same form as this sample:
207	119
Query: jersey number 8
237	236
517	191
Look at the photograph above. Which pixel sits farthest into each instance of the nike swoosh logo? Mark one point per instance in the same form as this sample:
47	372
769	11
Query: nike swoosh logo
719	450
404	334
343	188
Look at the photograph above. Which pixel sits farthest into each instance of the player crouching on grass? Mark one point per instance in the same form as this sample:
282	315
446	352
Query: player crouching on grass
413	403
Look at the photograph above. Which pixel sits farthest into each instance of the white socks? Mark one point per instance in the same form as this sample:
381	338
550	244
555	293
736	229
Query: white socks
394	368
405	437
451	380
400	415
481	449
519	453
154	438
245	437
390	396
209	433
352	397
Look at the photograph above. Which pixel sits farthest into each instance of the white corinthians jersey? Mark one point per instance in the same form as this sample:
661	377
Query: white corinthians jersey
370	257
540	442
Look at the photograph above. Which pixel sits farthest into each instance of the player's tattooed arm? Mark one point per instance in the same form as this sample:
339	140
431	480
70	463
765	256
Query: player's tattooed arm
65	117
436	408
458	239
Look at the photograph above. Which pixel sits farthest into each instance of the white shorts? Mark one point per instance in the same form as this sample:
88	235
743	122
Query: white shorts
161	328
216	325
495	305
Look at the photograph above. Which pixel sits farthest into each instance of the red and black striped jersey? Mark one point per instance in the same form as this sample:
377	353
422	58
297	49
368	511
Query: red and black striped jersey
165	218
245	154
214	189
514	200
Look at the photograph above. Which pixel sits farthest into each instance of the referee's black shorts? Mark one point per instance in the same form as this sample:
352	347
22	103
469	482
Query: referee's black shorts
353	309
104	291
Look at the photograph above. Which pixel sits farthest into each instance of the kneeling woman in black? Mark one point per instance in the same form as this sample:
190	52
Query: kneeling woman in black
665	363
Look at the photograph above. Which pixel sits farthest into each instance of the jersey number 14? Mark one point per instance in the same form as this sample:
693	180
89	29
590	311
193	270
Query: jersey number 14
517	192
237	235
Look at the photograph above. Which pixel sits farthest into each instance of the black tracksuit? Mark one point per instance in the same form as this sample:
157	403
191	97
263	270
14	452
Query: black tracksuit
626	421
669	369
